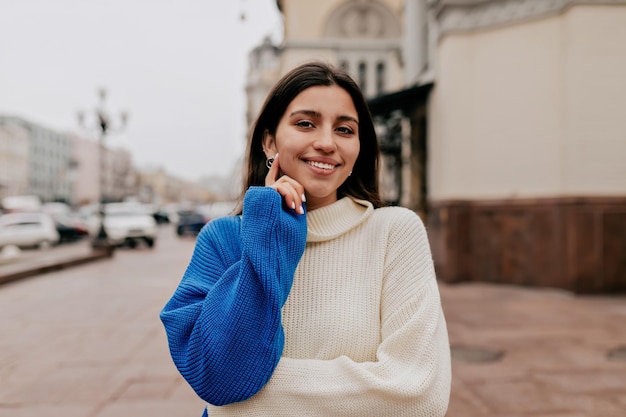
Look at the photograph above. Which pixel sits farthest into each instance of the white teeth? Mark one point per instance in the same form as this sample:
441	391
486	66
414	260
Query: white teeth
320	165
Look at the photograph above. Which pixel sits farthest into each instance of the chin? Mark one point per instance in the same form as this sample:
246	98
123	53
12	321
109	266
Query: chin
320	193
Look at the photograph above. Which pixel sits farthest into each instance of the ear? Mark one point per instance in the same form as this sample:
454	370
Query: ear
269	144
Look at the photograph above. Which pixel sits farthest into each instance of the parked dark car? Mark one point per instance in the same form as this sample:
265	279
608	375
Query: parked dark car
161	216
70	229
190	222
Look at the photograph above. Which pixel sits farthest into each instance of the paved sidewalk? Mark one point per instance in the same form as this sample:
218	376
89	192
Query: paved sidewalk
535	352
31	262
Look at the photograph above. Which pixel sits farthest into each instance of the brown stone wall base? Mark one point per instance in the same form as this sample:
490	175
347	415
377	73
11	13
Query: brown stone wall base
578	244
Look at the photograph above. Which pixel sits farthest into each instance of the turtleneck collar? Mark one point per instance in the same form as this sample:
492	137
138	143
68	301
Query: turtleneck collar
333	220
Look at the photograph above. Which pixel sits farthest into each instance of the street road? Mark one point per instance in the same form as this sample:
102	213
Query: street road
87	341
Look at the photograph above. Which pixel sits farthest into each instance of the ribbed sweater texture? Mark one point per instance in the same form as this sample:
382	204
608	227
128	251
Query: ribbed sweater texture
332	313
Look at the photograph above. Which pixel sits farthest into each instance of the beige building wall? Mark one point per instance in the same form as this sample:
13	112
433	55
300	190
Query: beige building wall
595	101
531	109
305	17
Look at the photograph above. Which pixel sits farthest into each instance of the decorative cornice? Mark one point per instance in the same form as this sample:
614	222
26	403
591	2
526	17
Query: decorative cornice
343	44
464	16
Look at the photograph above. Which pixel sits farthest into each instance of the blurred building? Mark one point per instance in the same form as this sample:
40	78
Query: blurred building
223	188
158	187
48	159
501	123
61	167
65	167
85	180
14	151
263	71
121	180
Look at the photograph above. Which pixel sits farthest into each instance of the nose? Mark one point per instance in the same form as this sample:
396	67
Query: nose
325	141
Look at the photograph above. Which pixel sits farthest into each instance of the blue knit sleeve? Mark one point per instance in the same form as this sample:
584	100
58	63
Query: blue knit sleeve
223	322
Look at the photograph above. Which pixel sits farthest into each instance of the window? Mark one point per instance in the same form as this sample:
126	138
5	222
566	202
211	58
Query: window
362	76
380	78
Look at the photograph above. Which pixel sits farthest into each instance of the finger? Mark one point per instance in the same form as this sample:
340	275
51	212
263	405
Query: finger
298	194
272	174
291	190
285	186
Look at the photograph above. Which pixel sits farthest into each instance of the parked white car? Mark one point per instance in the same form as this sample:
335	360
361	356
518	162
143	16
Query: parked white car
27	230
129	224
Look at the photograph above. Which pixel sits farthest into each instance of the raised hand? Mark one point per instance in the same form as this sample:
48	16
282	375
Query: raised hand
291	190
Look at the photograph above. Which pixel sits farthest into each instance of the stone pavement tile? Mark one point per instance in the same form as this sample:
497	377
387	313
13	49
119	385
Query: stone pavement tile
48	410
621	400
528	333
560	414
558	355
61	362
605	383
86	344
153	346
154	408
138	368
464	403
529	397
150	359
473	373
149	375
147	388
183	392
67	385
17	369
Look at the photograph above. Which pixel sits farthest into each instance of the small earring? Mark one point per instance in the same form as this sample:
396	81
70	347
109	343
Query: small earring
350	173
270	161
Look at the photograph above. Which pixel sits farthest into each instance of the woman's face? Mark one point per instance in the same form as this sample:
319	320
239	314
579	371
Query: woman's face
317	140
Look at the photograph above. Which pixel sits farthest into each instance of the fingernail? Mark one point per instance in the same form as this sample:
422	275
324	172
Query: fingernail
301	211
293	205
303	198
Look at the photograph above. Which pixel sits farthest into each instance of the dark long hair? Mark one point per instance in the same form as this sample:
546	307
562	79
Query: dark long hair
363	183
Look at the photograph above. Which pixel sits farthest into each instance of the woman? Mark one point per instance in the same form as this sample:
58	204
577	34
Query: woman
316	300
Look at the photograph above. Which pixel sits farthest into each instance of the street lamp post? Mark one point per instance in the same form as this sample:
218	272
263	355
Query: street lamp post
104	127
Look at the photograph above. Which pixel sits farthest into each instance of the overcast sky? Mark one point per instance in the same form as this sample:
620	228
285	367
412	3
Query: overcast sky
177	66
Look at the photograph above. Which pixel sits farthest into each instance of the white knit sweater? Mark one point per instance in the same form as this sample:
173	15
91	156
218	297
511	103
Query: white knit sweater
365	332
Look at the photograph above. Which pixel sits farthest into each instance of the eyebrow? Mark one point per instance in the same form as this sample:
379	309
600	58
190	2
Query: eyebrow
317	114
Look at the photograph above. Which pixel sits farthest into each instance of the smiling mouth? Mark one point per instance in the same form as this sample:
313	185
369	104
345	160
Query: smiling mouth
321	165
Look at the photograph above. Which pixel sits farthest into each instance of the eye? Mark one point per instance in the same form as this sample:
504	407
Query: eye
305	124
345	130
